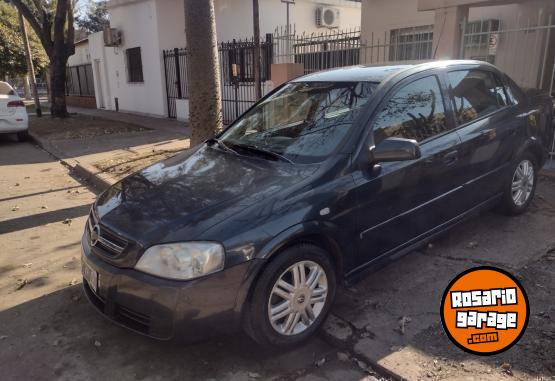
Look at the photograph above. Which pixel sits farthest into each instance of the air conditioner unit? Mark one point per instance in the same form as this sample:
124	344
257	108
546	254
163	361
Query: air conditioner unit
327	17
112	36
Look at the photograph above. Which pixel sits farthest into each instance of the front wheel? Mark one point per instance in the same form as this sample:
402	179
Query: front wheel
519	191
292	297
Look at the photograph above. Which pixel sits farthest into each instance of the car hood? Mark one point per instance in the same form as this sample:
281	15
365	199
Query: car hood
193	191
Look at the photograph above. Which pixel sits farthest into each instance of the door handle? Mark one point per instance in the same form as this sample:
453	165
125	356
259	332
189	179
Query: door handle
451	158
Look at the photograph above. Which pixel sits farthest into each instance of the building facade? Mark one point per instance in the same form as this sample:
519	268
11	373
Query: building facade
518	36
131	75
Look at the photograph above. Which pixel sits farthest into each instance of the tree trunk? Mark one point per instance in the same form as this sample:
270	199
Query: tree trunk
205	99
26	87
30	68
58	86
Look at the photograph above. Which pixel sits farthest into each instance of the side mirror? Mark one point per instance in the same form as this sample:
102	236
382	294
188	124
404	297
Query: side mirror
395	149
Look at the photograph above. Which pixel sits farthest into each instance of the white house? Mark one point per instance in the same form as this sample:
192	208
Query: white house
130	76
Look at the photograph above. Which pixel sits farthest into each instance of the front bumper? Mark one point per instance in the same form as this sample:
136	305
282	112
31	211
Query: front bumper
166	309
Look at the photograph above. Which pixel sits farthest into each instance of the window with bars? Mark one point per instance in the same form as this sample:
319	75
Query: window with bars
477	33
134	65
414	43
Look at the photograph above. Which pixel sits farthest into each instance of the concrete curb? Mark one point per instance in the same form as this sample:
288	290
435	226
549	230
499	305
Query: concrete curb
339	333
98	180
548	173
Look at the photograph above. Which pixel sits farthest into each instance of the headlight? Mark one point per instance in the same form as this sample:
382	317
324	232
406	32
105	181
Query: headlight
185	260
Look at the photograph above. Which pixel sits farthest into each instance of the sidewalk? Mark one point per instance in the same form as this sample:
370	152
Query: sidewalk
148	121
104	146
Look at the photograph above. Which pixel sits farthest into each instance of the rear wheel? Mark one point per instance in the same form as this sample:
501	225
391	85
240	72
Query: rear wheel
292	297
519	191
23	136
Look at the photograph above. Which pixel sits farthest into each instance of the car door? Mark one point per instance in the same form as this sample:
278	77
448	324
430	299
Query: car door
400	202
487	124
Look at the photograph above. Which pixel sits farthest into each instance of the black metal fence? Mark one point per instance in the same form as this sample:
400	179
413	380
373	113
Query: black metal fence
237	75
80	81
175	65
316	51
237	81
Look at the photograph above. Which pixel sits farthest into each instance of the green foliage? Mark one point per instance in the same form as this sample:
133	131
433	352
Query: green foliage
96	17
12	52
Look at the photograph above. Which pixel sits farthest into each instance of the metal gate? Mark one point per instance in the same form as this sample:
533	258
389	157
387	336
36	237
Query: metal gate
523	48
175	67
237	75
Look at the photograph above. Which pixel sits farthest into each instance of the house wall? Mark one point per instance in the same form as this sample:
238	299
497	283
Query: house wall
139	24
519	54
82	55
379	16
233	18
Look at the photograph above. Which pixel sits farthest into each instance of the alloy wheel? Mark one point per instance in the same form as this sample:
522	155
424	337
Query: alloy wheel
523	182
298	298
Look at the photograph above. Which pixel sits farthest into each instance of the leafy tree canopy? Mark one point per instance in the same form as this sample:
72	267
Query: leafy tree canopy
12	52
95	18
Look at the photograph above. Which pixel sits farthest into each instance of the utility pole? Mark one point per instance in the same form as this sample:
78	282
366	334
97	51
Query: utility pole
256	29
30	68
288	24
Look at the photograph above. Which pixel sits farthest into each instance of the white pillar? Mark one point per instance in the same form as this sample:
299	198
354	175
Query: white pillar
447	31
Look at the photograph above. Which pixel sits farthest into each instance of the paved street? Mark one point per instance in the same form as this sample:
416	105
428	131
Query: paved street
389	319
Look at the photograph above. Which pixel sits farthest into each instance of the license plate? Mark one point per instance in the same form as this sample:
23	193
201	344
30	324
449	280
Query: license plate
91	277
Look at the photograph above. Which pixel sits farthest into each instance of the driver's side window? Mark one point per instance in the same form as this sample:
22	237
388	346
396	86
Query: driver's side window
415	111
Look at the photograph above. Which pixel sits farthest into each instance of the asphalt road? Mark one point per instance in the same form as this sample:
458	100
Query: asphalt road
49	331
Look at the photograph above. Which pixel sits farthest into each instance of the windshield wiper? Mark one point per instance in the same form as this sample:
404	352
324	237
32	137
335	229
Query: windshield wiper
263	151
222	145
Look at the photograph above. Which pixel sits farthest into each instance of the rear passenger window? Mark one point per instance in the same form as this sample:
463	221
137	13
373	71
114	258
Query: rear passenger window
416	111
475	93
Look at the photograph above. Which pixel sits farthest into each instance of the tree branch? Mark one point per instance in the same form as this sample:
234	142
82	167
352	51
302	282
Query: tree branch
44	35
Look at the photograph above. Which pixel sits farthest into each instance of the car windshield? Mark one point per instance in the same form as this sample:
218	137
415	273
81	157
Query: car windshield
302	122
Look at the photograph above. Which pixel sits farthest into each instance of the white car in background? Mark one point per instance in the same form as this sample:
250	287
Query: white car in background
13	114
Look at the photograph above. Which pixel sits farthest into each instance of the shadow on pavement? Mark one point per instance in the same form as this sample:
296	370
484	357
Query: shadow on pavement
395	310
31	221
60	335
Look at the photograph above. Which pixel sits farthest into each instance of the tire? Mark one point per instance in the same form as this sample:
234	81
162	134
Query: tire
23	136
257	322
510	203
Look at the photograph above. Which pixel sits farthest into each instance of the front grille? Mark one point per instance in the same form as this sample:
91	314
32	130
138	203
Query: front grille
133	319
108	241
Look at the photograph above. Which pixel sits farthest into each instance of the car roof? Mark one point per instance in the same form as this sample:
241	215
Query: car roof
377	73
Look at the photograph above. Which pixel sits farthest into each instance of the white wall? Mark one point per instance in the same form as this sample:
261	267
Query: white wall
81	55
139	24
233	17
